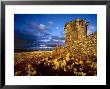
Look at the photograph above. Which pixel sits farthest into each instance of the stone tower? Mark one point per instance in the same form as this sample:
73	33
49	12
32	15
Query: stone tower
75	31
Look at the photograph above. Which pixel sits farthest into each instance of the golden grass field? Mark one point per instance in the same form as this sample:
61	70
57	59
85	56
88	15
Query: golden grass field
52	63
19	56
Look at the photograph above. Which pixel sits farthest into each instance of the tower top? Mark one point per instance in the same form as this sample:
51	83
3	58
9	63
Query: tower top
77	21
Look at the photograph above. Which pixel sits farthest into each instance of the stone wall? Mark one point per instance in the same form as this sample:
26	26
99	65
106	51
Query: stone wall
75	31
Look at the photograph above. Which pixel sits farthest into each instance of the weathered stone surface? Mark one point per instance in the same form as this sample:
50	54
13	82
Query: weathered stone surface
75	31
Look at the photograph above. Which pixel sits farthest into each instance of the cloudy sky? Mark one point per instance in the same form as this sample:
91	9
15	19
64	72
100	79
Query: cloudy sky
45	31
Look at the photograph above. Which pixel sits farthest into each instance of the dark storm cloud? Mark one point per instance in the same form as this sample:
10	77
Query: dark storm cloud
30	33
23	39
26	39
38	29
